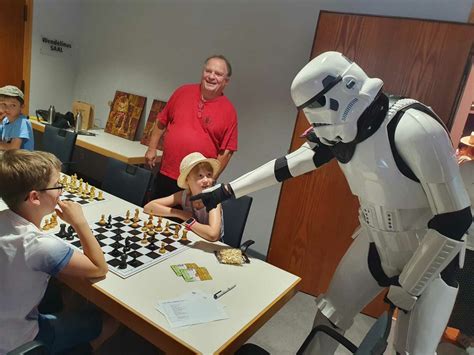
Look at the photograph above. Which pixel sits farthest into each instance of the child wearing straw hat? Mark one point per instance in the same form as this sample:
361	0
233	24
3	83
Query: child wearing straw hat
465	151
196	174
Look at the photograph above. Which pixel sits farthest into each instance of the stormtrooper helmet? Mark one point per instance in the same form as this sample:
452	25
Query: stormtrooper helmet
333	92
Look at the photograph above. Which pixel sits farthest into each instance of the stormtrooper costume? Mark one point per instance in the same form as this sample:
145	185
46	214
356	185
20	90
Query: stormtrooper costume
414	210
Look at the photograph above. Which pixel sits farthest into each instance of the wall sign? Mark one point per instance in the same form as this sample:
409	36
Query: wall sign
55	47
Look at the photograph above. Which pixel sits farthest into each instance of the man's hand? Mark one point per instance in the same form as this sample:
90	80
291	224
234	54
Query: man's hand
150	157
212	196
401	298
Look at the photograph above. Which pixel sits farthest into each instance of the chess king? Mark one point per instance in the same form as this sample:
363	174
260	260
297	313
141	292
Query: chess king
414	210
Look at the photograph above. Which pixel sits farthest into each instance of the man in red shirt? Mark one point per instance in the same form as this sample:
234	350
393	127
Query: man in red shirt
197	118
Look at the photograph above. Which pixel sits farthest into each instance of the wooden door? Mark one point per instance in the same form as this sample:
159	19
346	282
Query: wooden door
15	39
416	58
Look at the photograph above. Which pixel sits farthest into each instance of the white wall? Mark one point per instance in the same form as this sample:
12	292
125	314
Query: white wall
152	47
53	77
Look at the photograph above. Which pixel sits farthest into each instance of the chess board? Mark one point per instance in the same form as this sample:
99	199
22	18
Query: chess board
82	200
139	255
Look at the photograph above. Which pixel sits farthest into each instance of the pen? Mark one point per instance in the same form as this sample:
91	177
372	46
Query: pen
222	292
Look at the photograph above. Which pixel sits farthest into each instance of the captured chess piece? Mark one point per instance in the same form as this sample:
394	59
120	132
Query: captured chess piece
102	221
100	197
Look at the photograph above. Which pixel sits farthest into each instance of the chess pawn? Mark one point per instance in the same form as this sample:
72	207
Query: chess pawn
151	232
127	217
167	227
100	197
144	239
150	221
54	220
135	217
162	249
46	224
145	227
184	235
102	221
158	227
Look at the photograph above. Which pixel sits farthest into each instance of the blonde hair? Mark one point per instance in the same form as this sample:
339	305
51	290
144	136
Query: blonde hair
22	171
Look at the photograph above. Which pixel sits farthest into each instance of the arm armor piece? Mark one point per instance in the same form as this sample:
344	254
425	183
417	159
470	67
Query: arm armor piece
435	252
293	164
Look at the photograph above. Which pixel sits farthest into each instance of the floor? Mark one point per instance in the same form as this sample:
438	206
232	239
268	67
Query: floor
281	335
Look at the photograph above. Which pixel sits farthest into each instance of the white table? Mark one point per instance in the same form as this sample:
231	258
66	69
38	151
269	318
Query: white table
130	152
262	289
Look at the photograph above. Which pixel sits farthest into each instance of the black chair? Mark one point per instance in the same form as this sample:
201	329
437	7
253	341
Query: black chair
374	342
235	212
61	143
33	347
129	182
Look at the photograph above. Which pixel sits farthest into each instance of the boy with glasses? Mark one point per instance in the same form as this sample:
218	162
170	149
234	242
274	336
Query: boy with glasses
15	128
29	185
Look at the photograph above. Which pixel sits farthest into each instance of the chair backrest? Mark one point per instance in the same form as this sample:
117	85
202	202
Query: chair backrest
128	182
60	142
235	212
375	341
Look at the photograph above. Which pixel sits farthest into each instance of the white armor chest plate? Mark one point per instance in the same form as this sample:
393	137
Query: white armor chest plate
389	200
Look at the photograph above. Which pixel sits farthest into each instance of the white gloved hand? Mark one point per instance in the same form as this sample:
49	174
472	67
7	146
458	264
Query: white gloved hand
401	298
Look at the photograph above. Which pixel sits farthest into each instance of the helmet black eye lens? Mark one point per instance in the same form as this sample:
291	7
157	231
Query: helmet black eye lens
320	102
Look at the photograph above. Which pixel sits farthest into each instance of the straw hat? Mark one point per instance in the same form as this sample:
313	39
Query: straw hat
468	140
189	162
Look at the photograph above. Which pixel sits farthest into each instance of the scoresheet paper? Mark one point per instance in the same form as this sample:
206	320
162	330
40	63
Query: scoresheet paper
192	308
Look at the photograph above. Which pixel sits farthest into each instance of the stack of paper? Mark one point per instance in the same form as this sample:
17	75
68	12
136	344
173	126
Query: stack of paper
192	308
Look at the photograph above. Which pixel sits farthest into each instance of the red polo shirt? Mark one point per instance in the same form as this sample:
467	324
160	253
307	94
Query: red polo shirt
195	126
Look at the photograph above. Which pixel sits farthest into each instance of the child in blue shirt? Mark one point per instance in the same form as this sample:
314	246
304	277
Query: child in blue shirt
15	129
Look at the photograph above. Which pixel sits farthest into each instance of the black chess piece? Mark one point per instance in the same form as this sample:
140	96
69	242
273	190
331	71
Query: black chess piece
62	231
123	261
109	222
70	233
127	244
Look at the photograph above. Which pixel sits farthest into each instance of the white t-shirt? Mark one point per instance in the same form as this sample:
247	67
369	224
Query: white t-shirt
28	257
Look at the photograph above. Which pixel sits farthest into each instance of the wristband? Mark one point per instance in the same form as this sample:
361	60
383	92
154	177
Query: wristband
189	223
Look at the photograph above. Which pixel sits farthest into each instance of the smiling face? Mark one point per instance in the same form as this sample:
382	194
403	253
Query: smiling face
214	78
200	178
